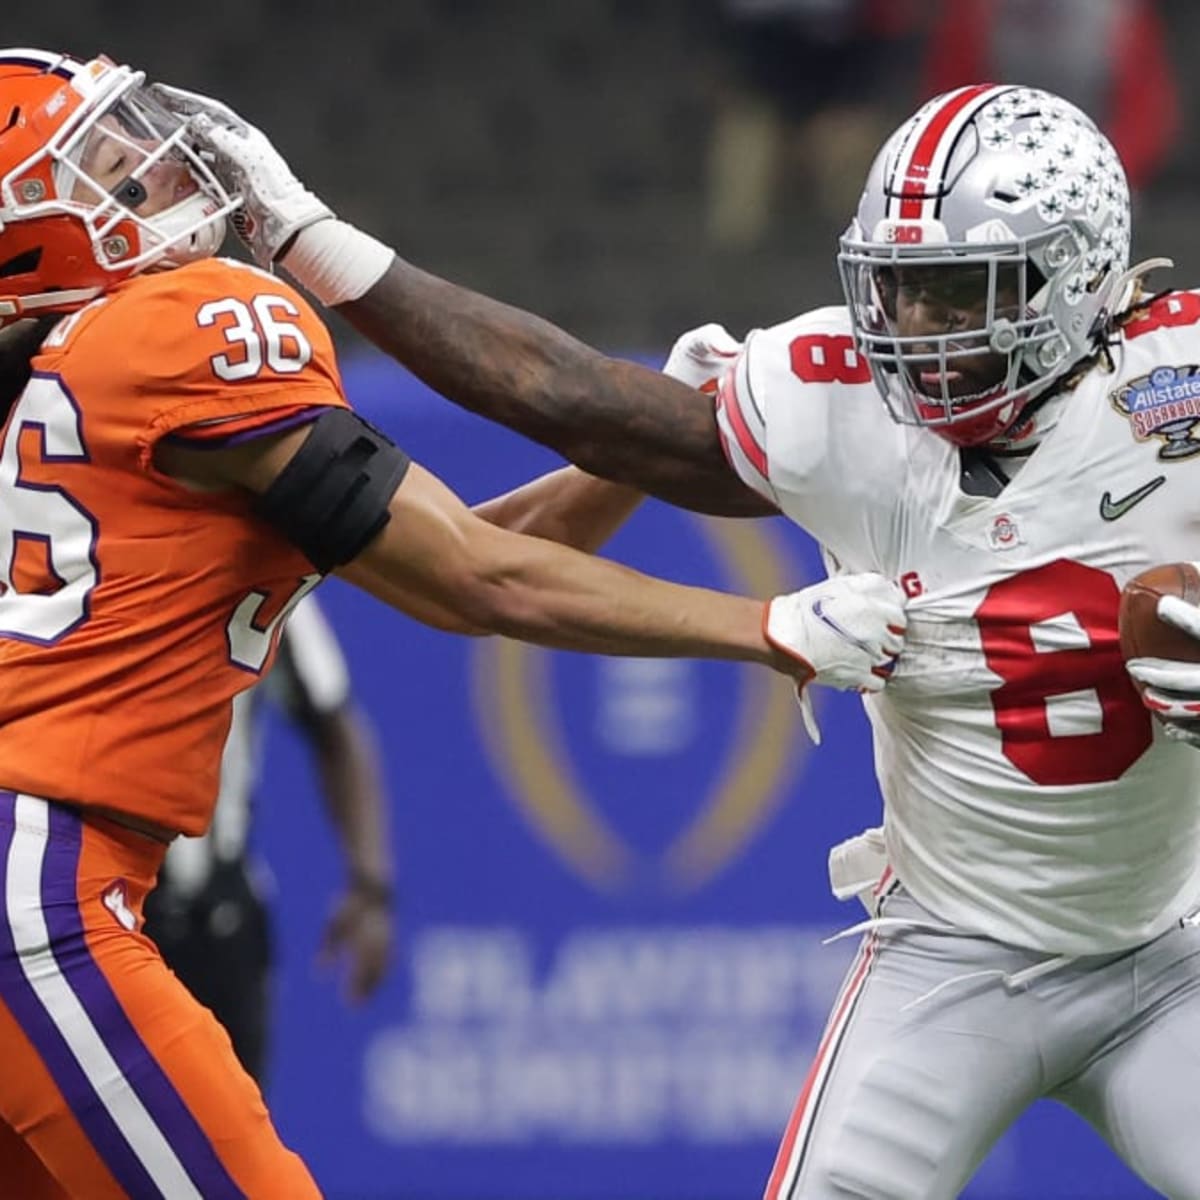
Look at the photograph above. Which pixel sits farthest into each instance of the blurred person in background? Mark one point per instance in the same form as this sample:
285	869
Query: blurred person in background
1110	57
209	913
803	97
1035	895
179	467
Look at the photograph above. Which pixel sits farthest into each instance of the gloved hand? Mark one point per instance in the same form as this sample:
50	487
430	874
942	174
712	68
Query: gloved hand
701	356
1171	687
847	631
275	204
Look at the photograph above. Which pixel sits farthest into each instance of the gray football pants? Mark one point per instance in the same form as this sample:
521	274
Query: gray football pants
909	1090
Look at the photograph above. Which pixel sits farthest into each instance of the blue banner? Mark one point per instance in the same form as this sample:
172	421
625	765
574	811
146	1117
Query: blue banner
613	896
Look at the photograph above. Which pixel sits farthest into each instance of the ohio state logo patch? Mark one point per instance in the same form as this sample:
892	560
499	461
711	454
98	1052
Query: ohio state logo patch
1163	404
1005	533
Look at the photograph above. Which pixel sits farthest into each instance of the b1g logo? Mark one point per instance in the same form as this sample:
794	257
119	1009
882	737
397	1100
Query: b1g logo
1164	404
643	774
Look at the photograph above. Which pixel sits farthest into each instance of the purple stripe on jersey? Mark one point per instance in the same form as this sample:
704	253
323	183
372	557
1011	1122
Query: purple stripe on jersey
247	435
26	1007
138	1066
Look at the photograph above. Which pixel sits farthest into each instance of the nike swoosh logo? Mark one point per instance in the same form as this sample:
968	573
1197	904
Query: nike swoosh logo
1114	510
818	608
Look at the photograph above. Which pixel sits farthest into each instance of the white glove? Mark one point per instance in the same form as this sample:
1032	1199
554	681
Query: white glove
701	356
1171	687
847	631
275	204
1171	690
857	865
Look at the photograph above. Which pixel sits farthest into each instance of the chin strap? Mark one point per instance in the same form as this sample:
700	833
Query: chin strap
13	308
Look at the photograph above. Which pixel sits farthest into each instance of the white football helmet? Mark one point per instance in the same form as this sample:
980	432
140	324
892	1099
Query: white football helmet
1021	193
97	183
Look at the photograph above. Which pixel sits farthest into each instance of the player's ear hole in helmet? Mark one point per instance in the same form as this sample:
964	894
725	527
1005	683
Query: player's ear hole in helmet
21	264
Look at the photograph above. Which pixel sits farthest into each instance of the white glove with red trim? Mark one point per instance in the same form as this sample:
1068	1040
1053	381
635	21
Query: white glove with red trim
848	631
275	204
1171	687
280	220
701	356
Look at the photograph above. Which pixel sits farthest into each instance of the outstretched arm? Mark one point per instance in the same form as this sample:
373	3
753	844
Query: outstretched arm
433	555
615	419
566	506
581	510
435	550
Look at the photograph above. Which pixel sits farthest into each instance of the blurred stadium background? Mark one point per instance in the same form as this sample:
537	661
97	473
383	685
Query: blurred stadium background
612	873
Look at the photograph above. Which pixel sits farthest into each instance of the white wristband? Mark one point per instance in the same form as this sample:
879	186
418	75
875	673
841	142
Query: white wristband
336	262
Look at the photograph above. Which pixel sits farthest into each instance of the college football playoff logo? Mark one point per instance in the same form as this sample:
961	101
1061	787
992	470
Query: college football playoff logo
520	718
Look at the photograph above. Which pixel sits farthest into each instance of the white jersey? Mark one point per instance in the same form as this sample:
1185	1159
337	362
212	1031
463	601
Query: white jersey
1029	796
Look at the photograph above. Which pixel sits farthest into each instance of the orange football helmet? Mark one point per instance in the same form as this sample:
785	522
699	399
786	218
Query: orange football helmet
97	183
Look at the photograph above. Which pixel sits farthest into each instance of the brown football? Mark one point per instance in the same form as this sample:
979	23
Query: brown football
1142	633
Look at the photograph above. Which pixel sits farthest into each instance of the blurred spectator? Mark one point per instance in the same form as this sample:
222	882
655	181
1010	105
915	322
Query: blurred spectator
1108	56
209	914
806	90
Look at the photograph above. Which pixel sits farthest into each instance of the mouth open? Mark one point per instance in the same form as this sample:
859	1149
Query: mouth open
937	383
961	386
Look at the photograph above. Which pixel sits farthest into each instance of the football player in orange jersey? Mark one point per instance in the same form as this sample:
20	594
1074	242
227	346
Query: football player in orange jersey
179	467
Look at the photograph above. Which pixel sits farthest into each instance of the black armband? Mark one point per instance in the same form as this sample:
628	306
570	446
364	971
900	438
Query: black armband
332	497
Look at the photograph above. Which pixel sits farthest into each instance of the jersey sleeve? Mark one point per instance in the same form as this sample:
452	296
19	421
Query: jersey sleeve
1162	330
804	426
213	352
743	427
228	431
775	423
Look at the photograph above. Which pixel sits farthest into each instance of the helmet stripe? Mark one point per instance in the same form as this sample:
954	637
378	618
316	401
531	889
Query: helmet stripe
55	64
920	174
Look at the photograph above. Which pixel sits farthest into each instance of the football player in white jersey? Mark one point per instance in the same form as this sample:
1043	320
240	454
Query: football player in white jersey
1032	927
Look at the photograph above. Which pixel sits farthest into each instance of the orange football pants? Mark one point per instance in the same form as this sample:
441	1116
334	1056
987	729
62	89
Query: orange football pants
115	1084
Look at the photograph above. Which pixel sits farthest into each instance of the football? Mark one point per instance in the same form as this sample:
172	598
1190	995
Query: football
1142	634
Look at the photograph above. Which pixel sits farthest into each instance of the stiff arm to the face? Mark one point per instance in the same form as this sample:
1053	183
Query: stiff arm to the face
614	418
655	433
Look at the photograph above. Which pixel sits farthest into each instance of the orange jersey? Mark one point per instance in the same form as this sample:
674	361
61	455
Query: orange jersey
132	608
